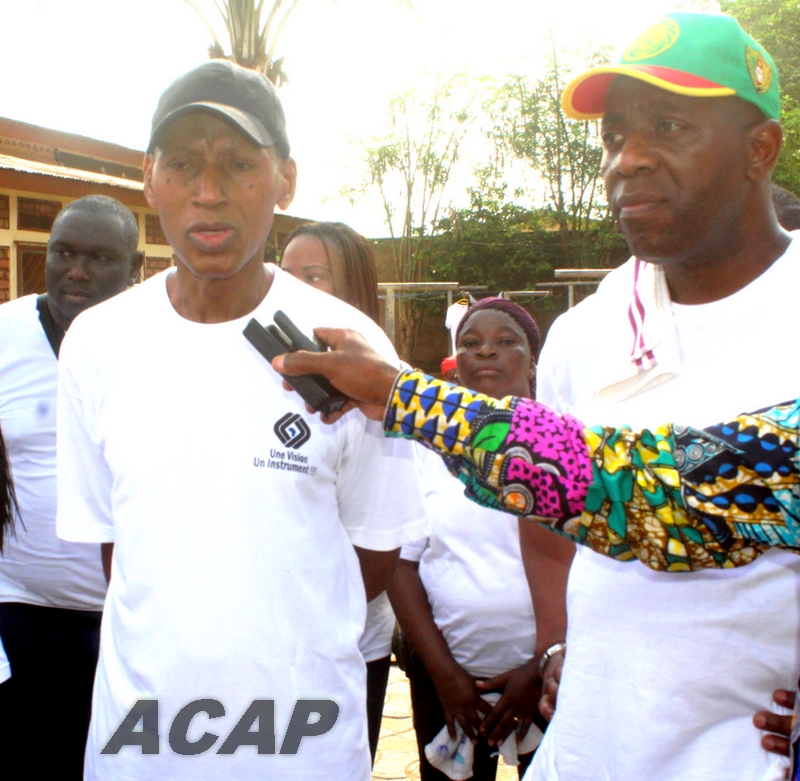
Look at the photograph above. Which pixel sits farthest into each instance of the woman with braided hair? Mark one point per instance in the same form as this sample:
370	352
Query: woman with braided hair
8	506
332	257
8	500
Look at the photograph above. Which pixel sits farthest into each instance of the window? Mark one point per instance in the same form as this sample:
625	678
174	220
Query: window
30	268
36	214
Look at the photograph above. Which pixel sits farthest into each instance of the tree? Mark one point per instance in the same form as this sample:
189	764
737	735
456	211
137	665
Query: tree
493	242
410	168
775	24
530	125
254	29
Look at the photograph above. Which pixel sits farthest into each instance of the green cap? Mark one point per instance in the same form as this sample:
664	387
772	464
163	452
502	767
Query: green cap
702	55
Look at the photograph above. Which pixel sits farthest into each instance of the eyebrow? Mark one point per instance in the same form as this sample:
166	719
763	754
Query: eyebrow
503	329
663	106
90	249
316	266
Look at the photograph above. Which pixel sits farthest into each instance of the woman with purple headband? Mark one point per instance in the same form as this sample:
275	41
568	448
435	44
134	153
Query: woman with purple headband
461	595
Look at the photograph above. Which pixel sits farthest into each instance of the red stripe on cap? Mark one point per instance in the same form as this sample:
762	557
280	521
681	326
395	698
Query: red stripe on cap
589	96
679	78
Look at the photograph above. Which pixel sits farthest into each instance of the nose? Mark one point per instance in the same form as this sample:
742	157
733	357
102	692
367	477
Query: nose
210	188
486	350
636	154
78	268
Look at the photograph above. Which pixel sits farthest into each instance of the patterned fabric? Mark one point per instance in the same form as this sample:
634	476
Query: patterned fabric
676	498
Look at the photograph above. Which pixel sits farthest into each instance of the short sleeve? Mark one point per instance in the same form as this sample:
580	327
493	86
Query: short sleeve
377	489
412	551
84	479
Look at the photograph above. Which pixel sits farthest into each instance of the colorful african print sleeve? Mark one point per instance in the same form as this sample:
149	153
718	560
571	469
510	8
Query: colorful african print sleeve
676	498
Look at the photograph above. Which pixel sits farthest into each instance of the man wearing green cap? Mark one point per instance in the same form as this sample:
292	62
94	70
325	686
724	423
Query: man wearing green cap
663	674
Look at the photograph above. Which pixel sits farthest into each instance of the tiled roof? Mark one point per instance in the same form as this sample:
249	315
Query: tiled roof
62	172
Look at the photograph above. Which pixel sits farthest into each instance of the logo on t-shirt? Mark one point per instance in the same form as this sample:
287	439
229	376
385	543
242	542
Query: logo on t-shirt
292	430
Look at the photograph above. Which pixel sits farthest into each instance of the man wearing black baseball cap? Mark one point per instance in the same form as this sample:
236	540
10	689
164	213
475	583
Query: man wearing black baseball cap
228	514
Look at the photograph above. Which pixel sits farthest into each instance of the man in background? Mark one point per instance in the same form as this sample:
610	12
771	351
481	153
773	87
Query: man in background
52	591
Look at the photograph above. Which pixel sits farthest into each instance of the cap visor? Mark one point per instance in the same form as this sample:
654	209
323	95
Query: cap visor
585	96
247	123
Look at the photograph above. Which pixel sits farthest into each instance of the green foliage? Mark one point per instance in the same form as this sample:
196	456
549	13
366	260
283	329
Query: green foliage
494	243
506	246
499	242
253	32
411	167
775	24
530	126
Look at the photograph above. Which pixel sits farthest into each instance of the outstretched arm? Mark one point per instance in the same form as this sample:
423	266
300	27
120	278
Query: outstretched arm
676	498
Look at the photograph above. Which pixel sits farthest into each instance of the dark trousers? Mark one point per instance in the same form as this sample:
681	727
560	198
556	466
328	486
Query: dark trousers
46	704
377	678
428	716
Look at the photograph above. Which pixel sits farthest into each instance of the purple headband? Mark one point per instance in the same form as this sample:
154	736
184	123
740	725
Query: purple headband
515	311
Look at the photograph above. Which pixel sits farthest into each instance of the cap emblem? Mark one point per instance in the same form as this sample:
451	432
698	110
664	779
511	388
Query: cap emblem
760	70
653	41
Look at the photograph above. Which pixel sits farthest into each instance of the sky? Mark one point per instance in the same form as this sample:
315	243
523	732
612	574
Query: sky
97	68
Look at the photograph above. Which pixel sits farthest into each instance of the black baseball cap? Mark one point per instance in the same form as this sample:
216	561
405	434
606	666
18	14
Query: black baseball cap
243	97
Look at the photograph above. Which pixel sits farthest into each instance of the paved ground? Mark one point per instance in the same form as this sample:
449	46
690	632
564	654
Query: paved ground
397	750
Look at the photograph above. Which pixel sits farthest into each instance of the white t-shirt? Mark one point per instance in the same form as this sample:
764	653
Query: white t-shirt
452	319
664	671
233	514
376	641
36	567
471	568
5	667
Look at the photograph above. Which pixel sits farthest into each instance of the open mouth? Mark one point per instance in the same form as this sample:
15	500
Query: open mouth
211	238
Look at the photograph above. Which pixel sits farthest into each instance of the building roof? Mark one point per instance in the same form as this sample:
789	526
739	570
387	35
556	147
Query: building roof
9	163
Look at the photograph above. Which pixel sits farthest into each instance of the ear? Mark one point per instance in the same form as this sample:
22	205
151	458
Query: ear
137	259
764	145
147	168
288	175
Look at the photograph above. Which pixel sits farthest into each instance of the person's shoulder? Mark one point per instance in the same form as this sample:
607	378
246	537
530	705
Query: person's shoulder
105	327
792	253
19	309
20	329
135	301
